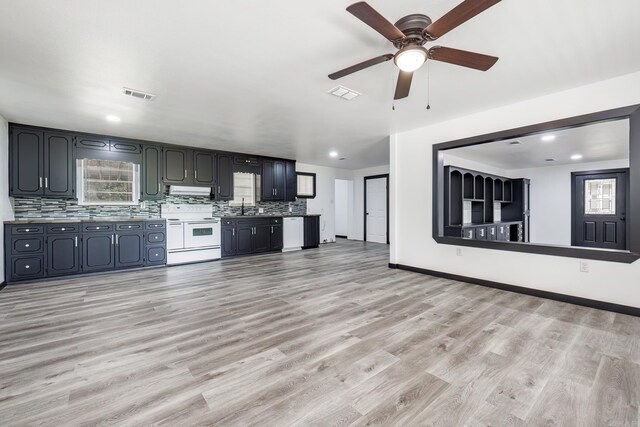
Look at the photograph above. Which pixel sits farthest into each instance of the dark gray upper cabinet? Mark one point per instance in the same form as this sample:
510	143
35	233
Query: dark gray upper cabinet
204	172
273	180
176	166
59	167
225	177
125	147
291	181
27	166
152	187
41	163
91	142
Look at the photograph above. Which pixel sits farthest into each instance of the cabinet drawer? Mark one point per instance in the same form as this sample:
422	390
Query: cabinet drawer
155	237
27	229
129	226
275	220
156	225
27	267
98	227
228	222
253	222
25	245
63	228
156	255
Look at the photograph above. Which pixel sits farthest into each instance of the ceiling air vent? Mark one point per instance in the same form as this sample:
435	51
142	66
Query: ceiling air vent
514	142
138	94
344	93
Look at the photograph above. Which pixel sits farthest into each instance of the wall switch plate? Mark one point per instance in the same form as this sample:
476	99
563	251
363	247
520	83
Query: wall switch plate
459	251
260	210
290	209
584	267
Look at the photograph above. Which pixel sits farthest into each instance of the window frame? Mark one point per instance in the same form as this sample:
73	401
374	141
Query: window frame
233	202
80	163
306	196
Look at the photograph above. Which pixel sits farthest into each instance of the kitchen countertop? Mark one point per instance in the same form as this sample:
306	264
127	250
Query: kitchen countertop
95	219
268	216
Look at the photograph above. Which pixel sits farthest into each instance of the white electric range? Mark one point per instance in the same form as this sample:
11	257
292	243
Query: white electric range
193	235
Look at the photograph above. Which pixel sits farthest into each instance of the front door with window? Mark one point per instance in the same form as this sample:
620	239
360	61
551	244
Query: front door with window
599	209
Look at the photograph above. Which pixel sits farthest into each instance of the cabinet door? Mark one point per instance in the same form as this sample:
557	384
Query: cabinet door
268	177
261	238
129	250
152	187
244	236
279	179
228	241
156	255
175	166
225	177
58	165
290	181
27	167
204	168
23	268
63	255
311	231
276	237
92	143
97	252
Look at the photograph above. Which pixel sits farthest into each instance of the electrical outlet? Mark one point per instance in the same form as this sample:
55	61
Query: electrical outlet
290	209
584	266
459	251
260	210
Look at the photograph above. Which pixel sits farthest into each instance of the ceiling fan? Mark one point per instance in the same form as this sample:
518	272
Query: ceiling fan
411	33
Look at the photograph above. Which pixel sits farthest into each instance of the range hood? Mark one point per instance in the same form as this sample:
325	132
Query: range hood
184	190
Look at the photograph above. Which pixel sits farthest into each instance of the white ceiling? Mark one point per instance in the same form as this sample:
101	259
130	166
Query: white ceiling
595	143
252	75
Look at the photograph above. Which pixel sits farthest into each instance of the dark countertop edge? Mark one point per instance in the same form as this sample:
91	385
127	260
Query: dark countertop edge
267	216
484	224
76	220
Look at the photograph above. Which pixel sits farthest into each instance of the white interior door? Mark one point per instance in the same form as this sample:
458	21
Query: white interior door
376	210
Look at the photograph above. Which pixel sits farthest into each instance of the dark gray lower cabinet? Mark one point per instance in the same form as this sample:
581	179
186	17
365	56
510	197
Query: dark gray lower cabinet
63	255
34	251
311	231
98	252
250	236
129	249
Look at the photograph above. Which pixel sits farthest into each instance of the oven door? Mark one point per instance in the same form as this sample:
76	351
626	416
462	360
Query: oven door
202	234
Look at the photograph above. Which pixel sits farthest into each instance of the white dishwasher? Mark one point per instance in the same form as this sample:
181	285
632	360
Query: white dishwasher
292	233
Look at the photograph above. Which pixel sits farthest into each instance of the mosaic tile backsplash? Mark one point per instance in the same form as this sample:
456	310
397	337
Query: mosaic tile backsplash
34	207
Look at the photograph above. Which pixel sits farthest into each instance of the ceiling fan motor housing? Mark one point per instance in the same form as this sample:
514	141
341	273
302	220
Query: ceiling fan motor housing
413	27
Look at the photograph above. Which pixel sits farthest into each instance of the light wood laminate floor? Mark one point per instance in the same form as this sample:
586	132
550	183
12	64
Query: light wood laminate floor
328	336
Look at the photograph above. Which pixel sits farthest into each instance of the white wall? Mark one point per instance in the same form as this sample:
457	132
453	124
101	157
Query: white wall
6	211
324	203
551	198
342	206
411	178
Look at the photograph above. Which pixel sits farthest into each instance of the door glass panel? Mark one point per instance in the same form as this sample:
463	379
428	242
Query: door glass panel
600	196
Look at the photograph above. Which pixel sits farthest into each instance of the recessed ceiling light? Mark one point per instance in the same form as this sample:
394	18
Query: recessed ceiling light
113	119
576	157
333	153
548	138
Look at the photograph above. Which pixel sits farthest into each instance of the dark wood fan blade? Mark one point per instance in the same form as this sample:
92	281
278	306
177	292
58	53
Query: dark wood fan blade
463	58
360	66
404	84
456	16
372	18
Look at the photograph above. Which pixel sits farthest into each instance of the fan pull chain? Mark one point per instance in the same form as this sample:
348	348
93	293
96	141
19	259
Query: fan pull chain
393	102
428	85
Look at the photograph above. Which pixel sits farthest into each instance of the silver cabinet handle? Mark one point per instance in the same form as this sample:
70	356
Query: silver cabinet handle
275	191
272	229
63	229
117	236
234	231
195	174
185	174
26	266
159	188
46	182
218	189
76	239
112	241
26	245
40	183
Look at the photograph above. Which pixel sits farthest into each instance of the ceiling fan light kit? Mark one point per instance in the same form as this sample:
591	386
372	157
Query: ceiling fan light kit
410	58
409	35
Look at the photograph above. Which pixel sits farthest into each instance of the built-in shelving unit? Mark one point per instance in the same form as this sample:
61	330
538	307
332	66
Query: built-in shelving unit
484	206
